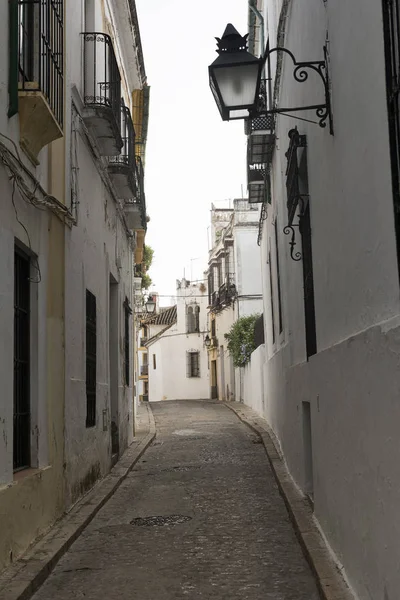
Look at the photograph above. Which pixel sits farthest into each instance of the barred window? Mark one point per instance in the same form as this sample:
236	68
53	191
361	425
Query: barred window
22	401
91	359
193	364
41	50
193	318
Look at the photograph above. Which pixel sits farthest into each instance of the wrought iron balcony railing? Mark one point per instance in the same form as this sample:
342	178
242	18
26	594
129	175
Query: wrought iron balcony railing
122	167
260	130
41	51
102	91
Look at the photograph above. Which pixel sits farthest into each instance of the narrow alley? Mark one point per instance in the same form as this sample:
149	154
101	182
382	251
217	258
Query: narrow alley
199	516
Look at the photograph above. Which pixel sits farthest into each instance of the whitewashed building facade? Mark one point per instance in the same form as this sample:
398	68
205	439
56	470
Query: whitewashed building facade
234	288
331	301
73	120
177	357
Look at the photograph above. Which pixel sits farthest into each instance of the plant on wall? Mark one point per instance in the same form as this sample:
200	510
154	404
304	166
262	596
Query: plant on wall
148	254
241	340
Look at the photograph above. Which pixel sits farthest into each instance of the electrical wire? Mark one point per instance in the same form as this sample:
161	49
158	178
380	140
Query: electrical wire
32	255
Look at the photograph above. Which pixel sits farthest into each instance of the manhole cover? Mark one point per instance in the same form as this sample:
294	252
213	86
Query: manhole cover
160	521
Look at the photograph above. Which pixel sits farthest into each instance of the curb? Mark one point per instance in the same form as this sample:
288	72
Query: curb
330	582
27	574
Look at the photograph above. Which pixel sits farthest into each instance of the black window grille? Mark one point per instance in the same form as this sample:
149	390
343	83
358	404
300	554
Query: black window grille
127	313
41	50
271	289
391	21
193	364
91	358
298	200
308	282
278	276
22	402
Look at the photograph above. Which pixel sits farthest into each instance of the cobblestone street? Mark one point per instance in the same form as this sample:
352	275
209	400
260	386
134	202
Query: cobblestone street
222	529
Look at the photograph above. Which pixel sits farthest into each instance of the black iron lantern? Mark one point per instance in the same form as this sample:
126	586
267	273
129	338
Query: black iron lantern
235	76
150	305
207	341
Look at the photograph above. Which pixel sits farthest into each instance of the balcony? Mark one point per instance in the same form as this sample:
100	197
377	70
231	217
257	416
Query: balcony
135	208
37	31
122	168
261	139
256	183
144	370
102	93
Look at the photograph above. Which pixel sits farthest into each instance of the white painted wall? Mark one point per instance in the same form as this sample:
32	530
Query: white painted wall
35	500
253	381
169	381
97	249
352	383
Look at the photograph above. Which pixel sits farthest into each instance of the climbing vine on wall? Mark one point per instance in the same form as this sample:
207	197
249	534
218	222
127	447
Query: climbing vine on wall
241	340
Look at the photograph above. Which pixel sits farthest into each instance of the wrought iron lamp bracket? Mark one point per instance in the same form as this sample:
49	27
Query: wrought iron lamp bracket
301	74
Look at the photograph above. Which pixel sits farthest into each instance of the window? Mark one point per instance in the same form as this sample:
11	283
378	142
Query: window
213	328
22	400
127	312
91	359
154	362
278	276
308	283
298	201
41	50
193	318
193	364
391	23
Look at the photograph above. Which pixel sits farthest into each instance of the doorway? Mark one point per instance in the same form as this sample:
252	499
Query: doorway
214	385
222	361
113	365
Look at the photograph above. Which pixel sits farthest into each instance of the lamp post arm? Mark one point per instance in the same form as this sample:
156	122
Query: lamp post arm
300	74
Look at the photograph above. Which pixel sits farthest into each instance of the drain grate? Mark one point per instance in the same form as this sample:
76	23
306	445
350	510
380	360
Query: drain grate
160	521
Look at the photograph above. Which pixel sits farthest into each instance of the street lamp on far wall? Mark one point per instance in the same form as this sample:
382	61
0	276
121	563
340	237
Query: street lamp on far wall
207	341
150	305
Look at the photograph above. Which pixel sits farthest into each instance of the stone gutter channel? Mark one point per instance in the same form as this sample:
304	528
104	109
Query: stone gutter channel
27	574
330	581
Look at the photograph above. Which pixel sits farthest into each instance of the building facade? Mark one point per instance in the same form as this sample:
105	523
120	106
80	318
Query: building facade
330	265
73	123
177	357
234	289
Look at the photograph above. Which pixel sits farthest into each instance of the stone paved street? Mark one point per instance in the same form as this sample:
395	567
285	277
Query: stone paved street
228	537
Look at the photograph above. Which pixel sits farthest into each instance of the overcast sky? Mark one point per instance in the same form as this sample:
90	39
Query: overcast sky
193	158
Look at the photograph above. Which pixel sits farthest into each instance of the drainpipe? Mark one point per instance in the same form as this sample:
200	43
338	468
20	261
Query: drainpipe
261	19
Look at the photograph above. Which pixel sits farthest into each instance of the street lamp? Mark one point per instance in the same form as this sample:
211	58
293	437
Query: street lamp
235	76
207	341
235	80
150	305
